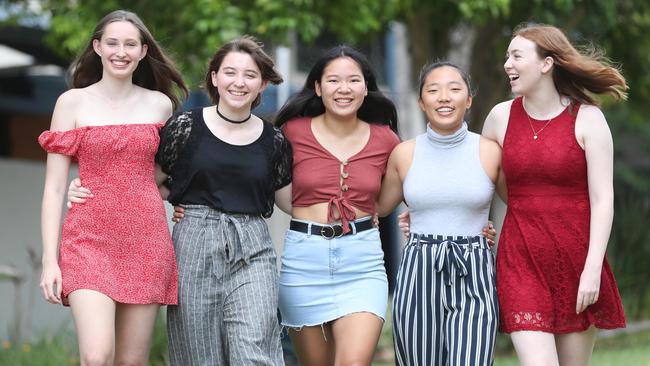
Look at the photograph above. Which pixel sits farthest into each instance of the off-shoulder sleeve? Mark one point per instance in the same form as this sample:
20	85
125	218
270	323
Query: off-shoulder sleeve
283	165
62	142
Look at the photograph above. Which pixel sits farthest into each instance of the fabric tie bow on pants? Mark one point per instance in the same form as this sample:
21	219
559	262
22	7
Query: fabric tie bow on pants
449	258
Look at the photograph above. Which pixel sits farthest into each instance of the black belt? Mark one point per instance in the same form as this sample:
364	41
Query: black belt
329	231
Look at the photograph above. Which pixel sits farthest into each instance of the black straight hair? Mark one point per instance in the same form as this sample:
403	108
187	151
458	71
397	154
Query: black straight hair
376	107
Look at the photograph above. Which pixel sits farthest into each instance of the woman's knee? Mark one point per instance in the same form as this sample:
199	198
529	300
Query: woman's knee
355	362
134	361
535	348
97	358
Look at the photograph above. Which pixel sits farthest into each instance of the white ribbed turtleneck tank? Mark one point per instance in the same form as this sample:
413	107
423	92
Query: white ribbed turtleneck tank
446	188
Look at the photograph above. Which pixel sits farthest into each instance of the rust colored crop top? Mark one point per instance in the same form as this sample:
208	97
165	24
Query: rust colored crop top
318	176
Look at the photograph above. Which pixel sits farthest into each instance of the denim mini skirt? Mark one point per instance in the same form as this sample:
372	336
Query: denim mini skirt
325	279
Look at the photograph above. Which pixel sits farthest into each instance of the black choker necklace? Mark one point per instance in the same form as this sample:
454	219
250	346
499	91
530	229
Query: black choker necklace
232	120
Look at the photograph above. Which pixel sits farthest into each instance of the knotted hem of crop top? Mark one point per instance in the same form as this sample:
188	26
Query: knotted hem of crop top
346	211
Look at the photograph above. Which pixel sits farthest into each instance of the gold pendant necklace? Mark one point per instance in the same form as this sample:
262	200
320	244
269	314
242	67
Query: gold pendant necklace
536	133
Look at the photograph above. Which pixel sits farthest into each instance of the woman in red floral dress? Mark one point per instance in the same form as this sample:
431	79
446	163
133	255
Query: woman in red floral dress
114	269
554	284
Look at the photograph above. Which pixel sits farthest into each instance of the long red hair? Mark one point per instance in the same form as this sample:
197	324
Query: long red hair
579	75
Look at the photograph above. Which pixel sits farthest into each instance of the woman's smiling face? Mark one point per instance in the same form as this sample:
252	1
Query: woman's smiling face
342	87
444	98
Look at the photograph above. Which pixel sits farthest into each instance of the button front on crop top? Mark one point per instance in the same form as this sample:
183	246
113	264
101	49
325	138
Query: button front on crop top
318	176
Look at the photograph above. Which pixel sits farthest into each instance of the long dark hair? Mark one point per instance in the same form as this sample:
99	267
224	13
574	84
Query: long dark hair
155	71
244	44
376	107
578	75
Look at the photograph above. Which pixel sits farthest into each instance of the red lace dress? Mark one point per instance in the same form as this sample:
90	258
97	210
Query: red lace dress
545	237
118	242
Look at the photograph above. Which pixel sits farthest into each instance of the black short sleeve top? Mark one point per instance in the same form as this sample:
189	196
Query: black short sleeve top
230	178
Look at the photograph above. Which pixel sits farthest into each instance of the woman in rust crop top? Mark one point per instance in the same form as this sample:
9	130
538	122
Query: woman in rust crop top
333	288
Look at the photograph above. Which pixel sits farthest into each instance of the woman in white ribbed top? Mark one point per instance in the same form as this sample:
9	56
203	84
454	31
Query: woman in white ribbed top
445	309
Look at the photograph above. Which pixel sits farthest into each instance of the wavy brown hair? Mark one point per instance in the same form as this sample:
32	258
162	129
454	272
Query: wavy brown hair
155	71
244	44
581	75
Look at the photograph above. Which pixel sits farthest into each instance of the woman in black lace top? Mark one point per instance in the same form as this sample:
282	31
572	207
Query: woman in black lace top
226	167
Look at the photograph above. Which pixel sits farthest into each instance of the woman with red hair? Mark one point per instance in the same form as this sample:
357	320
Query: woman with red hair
554	283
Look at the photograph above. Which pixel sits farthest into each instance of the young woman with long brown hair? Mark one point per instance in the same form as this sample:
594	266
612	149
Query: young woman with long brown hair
554	284
225	169
113	270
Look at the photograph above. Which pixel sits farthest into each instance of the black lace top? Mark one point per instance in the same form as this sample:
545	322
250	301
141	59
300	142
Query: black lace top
180	139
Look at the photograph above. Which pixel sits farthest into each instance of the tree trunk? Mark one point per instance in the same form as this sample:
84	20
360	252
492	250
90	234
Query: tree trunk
489	78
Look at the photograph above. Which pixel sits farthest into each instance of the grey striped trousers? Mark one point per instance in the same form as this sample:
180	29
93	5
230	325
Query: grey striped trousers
227	291
445	309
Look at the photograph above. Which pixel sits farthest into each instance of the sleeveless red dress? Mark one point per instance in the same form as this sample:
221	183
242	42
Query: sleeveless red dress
118	242
545	236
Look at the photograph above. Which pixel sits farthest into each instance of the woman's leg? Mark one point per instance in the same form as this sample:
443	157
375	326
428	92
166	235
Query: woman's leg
472	317
250	311
418	309
314	346
355	338
94	318
133	332
576	348
535	348
194	326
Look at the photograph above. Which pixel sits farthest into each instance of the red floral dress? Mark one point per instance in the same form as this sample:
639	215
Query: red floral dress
118	242
545	236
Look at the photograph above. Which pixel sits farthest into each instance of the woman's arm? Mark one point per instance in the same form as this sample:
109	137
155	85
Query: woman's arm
161	178
496	122
592	130
56	177
283	199
391	193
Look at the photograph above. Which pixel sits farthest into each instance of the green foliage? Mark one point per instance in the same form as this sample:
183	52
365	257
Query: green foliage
60	348
629	245
480	11
629	250
57	349
619	27
158	355
192	30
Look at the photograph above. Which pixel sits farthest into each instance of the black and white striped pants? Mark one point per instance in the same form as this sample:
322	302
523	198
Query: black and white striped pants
227	291
445	309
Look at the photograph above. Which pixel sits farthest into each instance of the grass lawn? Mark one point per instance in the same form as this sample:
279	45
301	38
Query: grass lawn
635	355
